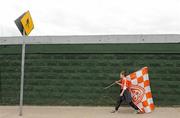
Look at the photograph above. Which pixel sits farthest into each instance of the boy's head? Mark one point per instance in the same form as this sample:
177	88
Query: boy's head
122	74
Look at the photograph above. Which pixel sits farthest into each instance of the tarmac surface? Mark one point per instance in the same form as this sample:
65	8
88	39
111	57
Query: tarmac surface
84	112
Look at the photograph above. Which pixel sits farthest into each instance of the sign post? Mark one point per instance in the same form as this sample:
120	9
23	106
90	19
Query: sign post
25	26
22	75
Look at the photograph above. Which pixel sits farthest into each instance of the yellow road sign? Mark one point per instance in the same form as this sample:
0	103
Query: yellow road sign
27	23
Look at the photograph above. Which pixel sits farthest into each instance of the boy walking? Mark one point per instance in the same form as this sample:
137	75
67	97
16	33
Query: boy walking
125	95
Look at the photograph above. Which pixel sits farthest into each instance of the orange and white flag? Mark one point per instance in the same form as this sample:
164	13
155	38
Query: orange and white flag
139	86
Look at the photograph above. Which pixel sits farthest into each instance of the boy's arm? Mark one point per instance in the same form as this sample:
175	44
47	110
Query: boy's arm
122	92
124	88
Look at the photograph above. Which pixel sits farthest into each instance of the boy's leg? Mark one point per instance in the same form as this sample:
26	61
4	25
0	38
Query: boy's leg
133	105
119	101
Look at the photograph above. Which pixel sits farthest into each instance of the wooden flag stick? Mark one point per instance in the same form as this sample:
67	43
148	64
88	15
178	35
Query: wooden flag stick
110	85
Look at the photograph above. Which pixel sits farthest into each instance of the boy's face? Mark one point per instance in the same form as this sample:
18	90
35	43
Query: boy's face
121	76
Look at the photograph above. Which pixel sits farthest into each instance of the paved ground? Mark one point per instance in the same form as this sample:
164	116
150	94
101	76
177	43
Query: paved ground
85	112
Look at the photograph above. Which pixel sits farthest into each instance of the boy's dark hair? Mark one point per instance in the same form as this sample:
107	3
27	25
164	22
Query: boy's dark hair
123	73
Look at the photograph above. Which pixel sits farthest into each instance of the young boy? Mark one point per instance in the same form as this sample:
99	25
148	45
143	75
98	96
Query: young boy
125	95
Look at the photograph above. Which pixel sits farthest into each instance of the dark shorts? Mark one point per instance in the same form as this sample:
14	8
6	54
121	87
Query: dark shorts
127	96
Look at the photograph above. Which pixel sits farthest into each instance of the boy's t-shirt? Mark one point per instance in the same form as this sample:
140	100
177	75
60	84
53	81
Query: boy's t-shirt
125	83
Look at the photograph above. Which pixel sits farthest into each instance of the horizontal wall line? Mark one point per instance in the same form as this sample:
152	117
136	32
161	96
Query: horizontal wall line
92	39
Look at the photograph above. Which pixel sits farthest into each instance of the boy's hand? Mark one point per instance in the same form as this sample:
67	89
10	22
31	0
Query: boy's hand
121	94
116	82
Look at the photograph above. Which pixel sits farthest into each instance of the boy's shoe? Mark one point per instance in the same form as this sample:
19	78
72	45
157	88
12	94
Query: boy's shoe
114	111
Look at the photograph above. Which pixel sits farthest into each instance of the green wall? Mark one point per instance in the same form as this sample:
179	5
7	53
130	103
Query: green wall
77	74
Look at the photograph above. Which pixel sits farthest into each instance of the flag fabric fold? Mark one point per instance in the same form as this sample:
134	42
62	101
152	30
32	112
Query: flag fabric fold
139	86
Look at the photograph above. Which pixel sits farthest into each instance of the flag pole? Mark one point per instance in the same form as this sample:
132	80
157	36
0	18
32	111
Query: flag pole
110	85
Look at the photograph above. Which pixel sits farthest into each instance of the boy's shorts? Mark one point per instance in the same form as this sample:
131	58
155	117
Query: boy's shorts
127	96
